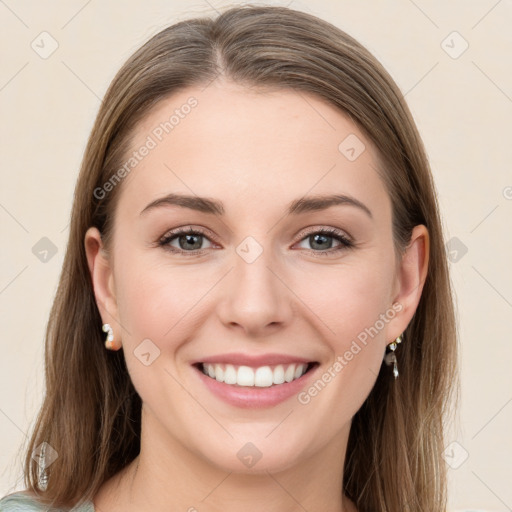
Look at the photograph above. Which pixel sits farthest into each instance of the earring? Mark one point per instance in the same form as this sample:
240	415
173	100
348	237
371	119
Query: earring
391	356
109	342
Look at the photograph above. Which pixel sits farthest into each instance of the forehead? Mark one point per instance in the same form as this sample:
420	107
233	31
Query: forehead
251	146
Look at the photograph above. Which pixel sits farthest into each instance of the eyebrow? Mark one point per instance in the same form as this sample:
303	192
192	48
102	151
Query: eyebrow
298	206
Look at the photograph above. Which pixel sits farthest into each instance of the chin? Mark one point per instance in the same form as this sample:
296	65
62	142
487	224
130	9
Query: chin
255	454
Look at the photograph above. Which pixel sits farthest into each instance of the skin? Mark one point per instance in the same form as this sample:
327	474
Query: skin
255	151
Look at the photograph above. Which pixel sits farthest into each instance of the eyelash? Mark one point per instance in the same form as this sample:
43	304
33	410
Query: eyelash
345	242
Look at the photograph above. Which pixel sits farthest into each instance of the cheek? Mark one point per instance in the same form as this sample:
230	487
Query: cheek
351	322
155	307
347	299
153	299
353	309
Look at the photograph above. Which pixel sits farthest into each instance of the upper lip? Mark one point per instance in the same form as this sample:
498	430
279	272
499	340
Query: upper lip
238	359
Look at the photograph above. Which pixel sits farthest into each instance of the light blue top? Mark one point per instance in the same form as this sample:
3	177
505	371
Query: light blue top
23	502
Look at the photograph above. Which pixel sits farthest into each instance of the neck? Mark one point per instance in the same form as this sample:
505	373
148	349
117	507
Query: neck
167	476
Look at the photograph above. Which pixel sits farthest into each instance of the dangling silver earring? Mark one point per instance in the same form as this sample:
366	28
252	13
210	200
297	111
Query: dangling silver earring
391	356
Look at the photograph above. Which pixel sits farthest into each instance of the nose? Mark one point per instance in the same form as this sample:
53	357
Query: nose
255	298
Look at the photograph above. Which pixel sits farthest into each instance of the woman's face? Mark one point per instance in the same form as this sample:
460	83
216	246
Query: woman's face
259	284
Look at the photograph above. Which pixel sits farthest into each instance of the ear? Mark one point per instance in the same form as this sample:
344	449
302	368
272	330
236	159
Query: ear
103	282
411	276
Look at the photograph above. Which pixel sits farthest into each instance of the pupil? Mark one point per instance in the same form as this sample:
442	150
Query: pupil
321	241
190	242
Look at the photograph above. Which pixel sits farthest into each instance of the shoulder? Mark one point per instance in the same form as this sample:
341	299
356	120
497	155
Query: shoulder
19	501
22	501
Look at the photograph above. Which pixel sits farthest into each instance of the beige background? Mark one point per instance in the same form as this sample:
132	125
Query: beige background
462	107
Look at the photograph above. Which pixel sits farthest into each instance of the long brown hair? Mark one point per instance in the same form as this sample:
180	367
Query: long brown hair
91	411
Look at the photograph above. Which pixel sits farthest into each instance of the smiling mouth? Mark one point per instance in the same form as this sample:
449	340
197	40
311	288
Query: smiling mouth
260	377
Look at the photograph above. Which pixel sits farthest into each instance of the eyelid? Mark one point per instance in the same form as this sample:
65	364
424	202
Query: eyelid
189	229
345	240
325	229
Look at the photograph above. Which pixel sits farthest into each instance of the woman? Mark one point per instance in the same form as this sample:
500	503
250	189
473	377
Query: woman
255	226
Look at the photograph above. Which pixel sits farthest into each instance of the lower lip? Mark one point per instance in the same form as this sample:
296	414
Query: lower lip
255	397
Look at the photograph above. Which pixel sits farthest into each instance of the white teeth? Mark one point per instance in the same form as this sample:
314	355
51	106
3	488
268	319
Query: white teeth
230	374
299	370
289	373
279	374
262	377
245	376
